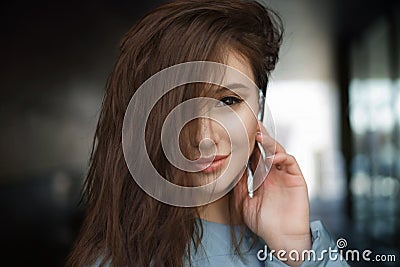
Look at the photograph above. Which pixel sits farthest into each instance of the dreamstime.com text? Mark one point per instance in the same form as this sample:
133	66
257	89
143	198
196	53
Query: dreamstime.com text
333	254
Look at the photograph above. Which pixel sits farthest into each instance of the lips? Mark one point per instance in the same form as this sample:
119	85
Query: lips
211	164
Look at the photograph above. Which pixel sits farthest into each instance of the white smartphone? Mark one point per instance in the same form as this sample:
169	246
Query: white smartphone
251	169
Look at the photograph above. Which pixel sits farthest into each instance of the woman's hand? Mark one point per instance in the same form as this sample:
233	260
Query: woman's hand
282	219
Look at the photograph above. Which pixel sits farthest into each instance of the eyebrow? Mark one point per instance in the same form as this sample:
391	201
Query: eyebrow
234	86
222	88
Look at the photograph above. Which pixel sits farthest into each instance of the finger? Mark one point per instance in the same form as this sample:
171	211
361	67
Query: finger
286	162
270	145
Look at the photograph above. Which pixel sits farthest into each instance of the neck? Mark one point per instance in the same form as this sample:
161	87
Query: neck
218	211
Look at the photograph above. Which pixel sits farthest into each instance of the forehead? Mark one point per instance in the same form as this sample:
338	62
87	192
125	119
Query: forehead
237	77
240	63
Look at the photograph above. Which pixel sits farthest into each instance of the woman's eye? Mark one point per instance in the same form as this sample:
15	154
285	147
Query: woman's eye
229	100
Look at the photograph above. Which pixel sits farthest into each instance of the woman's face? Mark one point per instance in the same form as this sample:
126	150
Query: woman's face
212	145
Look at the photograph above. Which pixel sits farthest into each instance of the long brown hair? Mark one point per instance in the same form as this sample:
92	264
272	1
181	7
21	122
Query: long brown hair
123	225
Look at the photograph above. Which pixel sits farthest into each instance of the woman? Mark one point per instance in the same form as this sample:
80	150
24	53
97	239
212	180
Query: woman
130	224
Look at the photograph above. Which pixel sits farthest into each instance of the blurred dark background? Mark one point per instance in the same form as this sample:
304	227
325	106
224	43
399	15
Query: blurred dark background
56	57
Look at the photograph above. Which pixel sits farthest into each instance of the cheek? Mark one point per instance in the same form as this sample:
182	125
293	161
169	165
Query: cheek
251	125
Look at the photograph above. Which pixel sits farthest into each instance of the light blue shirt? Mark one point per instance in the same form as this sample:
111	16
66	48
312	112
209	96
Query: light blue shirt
219	251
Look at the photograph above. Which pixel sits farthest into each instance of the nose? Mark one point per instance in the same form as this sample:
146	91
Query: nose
207	135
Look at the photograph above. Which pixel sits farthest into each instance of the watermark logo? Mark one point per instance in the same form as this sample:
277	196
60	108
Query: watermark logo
341	243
